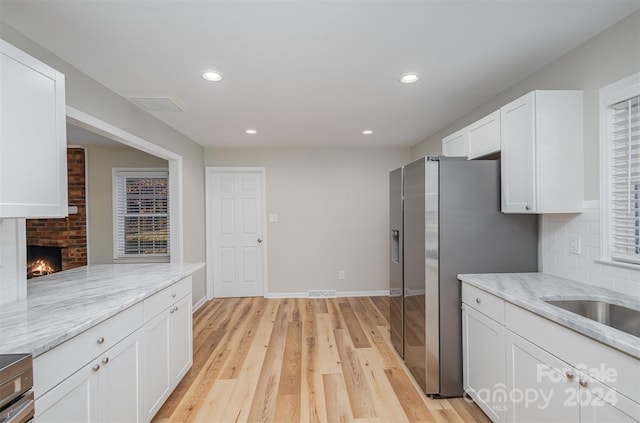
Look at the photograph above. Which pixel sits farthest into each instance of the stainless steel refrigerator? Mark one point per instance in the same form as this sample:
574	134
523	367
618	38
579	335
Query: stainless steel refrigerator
449	222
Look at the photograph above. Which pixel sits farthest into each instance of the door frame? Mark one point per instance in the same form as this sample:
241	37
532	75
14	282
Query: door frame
210	171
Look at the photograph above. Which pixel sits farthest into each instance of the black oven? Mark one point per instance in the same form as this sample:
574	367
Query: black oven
16	395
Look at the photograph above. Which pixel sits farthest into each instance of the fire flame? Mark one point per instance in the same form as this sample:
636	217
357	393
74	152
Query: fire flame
40	268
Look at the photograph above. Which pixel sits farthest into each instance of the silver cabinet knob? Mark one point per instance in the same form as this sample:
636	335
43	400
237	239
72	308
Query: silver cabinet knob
583	383
259	240
105	360
100	340
173	295
527	207
569	374
96	367
478	300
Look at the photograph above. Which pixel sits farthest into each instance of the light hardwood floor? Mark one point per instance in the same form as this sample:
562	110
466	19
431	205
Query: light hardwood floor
301	360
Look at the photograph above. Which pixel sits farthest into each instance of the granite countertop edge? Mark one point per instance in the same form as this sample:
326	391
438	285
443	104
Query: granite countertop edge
77	302
530	290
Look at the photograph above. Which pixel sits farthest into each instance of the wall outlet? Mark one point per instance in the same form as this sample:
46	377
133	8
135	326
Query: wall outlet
341	274
574	244
273	218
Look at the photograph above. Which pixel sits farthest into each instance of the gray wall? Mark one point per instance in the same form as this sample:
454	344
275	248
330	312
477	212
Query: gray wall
100	162
333	211
89	96
612	55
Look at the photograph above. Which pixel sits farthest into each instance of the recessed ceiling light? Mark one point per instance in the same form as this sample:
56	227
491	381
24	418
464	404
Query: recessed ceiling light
251	131
409	78
211	75
367	132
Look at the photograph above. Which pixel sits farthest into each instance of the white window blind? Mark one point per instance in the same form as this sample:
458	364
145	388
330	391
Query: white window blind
625	180
141	214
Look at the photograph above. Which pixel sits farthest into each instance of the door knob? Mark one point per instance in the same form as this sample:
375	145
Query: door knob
259	240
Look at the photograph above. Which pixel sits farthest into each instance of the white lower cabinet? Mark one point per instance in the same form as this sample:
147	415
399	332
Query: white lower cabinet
168	339
483	364
74	400
520	367
121	370
105	390
540	386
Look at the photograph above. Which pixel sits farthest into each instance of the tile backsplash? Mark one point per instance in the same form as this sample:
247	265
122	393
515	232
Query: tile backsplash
12	260
557	233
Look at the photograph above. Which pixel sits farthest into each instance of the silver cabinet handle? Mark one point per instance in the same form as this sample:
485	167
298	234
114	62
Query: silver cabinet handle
96	367
259	240
105	360
569	374
583	383
173	309
478	300
100	340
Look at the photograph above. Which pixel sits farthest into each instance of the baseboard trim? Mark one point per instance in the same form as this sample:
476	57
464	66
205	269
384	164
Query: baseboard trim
378	293
199	304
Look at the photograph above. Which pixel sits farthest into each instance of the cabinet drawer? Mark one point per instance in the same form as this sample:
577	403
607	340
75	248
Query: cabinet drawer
163	299
485	303
55	365
614	368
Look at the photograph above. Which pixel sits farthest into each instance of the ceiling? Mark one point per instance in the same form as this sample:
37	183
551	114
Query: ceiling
312	73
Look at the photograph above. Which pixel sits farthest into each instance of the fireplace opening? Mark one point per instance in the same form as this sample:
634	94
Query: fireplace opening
43	260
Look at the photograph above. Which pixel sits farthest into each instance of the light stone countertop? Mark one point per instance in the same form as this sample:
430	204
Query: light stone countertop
529	290
65	304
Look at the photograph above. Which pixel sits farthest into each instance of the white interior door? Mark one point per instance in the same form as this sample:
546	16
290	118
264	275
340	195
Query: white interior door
235	232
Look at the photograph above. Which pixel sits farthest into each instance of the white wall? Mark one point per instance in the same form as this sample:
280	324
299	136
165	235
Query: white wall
100	162
608	57
557	230
332	205
87	95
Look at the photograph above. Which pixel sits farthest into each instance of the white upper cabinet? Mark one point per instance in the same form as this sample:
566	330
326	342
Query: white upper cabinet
484	136
456	144
33	158
542	153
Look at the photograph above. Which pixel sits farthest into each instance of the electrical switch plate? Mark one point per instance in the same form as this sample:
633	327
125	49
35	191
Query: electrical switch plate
574	244
341	274
273	218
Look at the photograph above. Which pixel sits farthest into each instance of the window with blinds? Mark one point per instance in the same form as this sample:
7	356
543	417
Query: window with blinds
624	189
141	214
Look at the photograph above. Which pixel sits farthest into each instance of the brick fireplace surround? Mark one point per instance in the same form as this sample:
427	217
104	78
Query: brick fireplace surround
69	233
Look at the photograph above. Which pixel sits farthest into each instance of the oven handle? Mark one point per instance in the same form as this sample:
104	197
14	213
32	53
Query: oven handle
20	412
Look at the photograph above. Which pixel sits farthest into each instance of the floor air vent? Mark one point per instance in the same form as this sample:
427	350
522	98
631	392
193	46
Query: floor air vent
319	293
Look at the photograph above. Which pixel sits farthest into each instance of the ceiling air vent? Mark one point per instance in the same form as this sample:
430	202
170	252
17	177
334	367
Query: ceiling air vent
157	104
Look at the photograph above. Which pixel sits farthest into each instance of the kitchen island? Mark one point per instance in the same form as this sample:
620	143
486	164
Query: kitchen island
110	342
65	304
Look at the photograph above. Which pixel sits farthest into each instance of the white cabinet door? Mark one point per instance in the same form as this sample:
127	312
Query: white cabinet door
157	372
120	381
484	136
33	158
518	131
483	345
181	340
73	401
542	153
541	387
456	144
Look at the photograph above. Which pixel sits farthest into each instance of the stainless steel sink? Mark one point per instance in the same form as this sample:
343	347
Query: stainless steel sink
616	316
